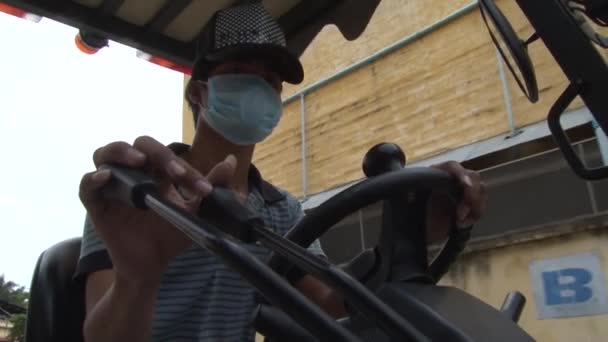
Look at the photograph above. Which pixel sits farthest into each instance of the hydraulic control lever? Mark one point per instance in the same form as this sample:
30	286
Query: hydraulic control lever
221	213
134	188
513	305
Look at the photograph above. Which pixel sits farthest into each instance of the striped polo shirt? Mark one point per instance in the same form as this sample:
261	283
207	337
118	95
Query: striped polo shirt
201	298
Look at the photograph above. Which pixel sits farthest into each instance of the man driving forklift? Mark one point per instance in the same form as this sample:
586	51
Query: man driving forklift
145	280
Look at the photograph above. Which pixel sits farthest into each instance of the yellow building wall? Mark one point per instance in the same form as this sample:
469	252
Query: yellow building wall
438	93
490	275
5	329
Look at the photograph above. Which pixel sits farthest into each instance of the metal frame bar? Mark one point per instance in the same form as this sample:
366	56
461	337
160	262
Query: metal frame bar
169	11
362	229
115	29
109	7
507	95
304	146
302	23
590	189
569	45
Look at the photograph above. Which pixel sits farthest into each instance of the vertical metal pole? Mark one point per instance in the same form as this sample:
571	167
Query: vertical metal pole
590	190
602	141
507	95
361	230
303	147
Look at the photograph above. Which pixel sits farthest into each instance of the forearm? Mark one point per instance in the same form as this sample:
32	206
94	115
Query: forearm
333	304
328	299
124	313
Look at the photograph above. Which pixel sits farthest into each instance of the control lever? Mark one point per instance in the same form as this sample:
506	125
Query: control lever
383	158
402	244
220	207
134	188
513	305
276	326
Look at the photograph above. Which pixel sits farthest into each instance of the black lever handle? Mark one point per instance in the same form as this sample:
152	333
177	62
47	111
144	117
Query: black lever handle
277	326
134	188
128	186
383	158
513	305
220	208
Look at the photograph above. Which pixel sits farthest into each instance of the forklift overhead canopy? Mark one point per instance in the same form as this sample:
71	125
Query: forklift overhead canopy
169	28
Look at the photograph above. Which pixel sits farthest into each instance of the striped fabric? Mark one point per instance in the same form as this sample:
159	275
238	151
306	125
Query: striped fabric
200	298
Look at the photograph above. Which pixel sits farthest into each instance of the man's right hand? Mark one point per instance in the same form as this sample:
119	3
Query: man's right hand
139	242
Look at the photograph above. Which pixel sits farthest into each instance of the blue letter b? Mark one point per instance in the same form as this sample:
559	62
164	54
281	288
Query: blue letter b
567	286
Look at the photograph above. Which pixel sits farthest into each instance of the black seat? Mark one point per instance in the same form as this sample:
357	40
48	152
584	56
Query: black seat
56	307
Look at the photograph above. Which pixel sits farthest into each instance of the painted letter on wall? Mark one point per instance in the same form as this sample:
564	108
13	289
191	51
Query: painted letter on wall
569	286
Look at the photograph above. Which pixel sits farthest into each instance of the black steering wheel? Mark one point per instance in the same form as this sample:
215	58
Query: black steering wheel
401	253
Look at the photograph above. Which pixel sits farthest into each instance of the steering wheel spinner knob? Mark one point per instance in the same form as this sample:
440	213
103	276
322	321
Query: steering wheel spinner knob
383	158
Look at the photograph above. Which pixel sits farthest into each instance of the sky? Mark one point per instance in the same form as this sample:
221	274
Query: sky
57	105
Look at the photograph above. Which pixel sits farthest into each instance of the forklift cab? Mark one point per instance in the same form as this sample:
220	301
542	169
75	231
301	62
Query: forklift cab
393	287
396	271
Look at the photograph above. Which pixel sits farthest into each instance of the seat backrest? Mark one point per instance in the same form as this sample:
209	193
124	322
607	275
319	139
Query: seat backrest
56	308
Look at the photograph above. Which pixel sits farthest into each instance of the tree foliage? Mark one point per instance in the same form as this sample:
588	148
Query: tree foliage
13	293
17	333
16	295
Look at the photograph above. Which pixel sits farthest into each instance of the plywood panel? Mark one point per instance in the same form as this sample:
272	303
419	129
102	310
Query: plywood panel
139	12
278	158
436	94
393	20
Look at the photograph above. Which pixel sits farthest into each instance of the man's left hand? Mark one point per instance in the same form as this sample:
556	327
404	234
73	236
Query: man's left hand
470	209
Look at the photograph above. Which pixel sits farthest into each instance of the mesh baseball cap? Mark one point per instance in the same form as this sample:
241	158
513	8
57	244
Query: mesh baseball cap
245	32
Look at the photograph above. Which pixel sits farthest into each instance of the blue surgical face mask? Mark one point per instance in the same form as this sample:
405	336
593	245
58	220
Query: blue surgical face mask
242	108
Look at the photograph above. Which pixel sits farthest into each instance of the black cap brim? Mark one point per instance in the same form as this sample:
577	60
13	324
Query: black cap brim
286	64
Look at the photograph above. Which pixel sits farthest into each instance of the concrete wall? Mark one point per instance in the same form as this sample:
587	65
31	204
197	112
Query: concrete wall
5	330
491	274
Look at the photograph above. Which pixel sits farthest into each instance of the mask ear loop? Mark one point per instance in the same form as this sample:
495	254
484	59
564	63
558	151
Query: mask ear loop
197	100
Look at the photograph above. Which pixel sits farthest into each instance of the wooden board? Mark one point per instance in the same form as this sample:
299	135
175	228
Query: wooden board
436	94
191	20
